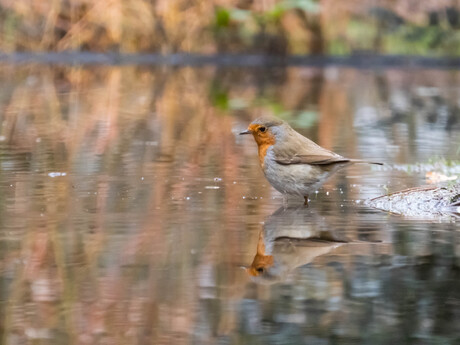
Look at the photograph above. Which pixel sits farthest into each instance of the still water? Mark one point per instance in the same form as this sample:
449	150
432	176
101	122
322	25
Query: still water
131	212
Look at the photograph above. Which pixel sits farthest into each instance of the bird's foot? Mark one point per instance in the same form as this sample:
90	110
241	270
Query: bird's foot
306	200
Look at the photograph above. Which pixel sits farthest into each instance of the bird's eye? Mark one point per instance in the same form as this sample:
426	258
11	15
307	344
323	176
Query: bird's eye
260	269
262	129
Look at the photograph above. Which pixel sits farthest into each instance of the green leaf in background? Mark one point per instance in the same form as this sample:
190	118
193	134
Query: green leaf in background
276	13
218	96
220	100
222	17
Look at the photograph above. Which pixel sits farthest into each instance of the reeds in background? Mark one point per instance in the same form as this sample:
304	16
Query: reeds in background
271	27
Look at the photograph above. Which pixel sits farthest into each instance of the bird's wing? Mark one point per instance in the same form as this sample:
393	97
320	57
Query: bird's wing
312	159
297	149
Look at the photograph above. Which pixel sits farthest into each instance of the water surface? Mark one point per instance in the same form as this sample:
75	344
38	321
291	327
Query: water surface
129	204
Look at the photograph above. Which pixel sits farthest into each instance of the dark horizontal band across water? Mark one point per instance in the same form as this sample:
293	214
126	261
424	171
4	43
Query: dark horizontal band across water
244	60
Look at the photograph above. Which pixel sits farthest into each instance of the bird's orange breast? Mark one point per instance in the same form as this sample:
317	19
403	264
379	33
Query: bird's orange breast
264	142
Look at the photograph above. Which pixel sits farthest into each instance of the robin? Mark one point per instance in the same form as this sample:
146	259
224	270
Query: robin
292	163
286	242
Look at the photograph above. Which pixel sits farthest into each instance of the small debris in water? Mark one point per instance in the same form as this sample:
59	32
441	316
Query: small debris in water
187	198
56	174
212	187
217	179
327	193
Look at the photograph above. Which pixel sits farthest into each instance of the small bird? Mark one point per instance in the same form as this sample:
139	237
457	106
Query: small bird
292	163
287	241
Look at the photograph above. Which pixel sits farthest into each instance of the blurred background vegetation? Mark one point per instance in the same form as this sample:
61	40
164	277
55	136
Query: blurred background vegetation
231	26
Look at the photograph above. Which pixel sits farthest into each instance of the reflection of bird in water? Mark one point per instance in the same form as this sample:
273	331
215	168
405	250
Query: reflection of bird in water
292	163
287	241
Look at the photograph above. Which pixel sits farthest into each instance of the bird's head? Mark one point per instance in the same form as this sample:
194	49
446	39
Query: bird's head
266	130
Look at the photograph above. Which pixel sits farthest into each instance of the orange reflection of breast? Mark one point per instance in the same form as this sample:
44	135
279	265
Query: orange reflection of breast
261	261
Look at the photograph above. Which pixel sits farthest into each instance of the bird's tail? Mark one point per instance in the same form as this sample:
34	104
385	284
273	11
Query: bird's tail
365	162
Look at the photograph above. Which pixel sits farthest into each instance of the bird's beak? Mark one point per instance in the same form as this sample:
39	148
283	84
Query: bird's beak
247	131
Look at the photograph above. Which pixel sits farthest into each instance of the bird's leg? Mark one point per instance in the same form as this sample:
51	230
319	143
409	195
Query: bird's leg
306	200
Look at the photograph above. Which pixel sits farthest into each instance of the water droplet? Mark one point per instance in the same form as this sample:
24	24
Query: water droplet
187	198
212	187
327	193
